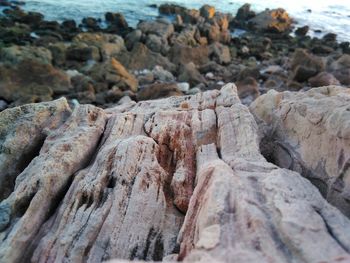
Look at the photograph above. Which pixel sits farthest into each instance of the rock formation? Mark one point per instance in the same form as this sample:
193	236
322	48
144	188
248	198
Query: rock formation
309	132
180	178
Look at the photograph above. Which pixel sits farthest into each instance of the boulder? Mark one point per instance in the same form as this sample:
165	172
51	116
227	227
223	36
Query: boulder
161	28
220	53
323	79
82	52
116	19
248	90
31	81
275	21
188	168
341	69
244	13
179	54
302	31
158	90
140	57
113	73
109	45
305	65
14	54
309	132
207	11
189	73
132	38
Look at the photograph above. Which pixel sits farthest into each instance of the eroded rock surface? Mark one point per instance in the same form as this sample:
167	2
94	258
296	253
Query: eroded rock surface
309	132
180	178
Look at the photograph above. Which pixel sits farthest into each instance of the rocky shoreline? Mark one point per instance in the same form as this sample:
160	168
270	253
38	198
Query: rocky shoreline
121	143
104	66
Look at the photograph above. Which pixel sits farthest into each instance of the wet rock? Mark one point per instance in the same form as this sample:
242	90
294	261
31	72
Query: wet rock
116	19
330	37
91	23
308	134
244	13
323	79
275	21
159	90
302	31
171	9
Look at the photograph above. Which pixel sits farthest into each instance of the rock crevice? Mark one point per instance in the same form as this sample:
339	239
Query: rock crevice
180	178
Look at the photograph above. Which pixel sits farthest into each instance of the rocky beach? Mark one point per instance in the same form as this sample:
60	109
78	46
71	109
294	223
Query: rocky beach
197	136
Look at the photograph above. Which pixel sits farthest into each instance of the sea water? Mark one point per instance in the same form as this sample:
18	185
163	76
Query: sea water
321	15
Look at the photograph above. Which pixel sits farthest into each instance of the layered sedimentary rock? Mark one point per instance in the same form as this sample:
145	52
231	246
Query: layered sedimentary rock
309	132
180	178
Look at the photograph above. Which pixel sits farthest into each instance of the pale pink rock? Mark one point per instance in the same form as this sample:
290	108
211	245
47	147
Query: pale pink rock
180	178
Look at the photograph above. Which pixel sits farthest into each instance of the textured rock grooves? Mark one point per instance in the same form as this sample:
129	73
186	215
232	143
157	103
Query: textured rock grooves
309	132
182	176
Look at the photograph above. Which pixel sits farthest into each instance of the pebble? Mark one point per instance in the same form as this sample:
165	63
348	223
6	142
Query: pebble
183	86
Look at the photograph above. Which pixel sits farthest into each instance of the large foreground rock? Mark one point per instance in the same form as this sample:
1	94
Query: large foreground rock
309	132
182	175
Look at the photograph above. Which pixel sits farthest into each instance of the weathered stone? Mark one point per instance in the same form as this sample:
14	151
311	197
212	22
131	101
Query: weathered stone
276	21
140	57
109	45
220	53
323	79
116	183
82	52
207	11
309	133
179	54
306	65
158	90
244	13
113	73
189	73
159	27
31	81
15	54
